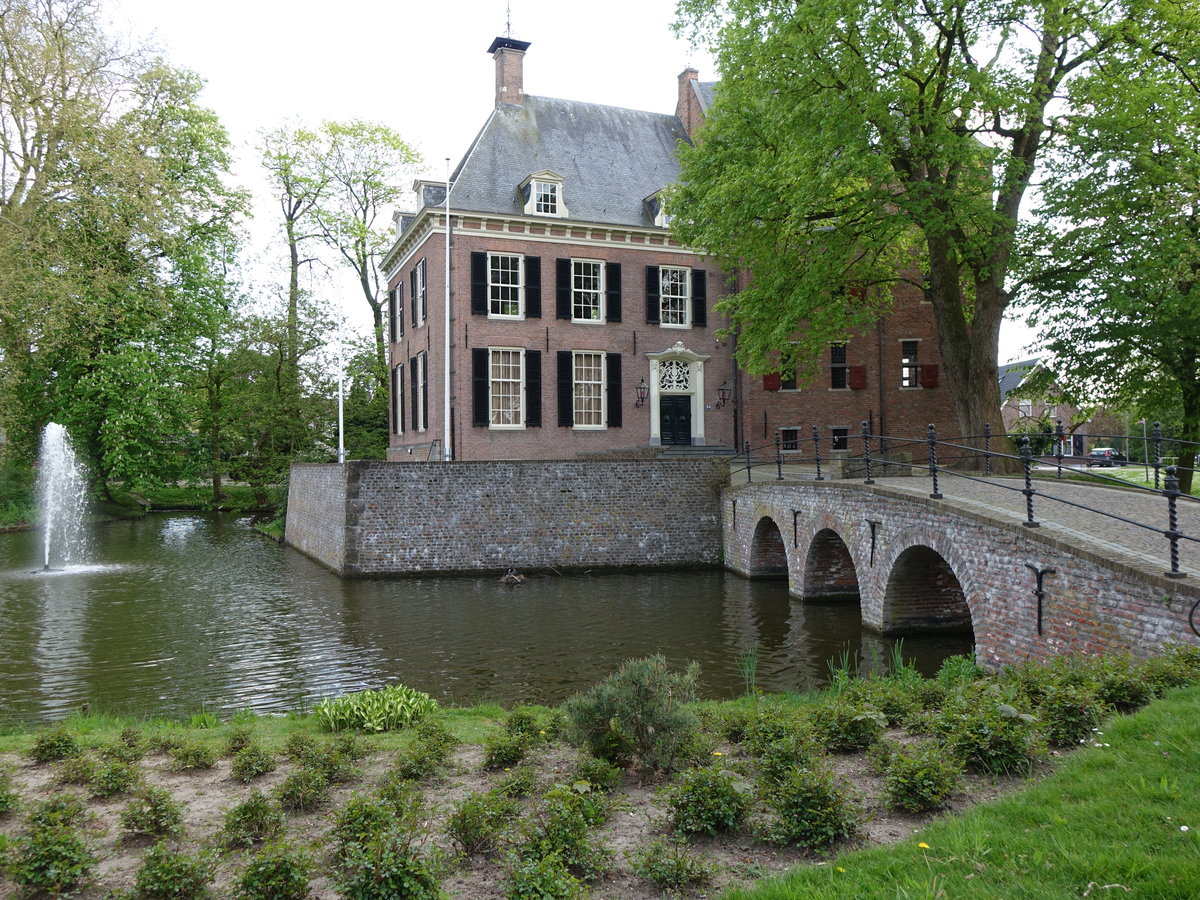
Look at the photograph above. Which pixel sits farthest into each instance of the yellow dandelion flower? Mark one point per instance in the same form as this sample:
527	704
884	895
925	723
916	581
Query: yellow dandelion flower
923	845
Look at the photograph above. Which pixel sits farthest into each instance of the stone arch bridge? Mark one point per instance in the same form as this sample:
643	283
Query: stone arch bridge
1078	583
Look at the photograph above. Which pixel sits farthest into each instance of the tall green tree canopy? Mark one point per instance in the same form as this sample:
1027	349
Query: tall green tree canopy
854	143
112	177
1113	270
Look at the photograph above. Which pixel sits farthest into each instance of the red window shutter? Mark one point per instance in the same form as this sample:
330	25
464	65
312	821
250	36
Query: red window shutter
771	381
929	372
858	377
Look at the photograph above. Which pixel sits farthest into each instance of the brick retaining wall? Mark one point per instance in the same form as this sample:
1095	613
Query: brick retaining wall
398	518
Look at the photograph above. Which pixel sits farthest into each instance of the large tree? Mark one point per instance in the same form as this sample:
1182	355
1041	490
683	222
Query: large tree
1114	273
855	143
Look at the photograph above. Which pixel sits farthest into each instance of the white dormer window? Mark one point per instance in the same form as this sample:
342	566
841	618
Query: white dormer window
543	195
656	208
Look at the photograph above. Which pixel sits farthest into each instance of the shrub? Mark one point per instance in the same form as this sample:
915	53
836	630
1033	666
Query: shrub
671	866
9	798
503	750
1070	714
811	810
425	758
299	746
303	790
250	762
331	763
919	779
1174	668
640	711
728	722
522	721
476	822
404	798
707	801
115	777
388	867
53	859
560	828
845	725
895	697
238	740
520	782
153	813
277	872
165	742
601	773
124	752
1120	685
191	756
988	735
958	671
881	753
358	822
76	770
388	709
776	723
54	743
253	821
65	809
541	878
170	874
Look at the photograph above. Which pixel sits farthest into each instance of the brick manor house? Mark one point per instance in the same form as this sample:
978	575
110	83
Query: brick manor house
565	320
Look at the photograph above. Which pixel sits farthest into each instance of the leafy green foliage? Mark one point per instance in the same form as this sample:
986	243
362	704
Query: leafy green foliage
363	818
253	821
9	797
918	779
598	772
153	812
53	859
640	711
477	821
708	801
501	749
115	777
54	743
811	810
846	725
191	756
541	878
1070	714
388	709
388	867
671	866
167	873
303	790
560	828
76	769
64	809
277	872
250	762
988	734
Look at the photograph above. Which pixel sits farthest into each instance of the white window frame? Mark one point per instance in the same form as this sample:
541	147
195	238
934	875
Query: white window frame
545	196
578	292
589	392
682	300
418	413
910	366
1025	409
835	366
495	287
517	392
420	299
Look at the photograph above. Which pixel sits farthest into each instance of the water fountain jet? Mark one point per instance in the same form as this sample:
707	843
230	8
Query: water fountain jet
62	499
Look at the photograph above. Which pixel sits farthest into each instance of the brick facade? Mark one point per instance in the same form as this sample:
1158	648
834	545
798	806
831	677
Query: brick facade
378	518
923	551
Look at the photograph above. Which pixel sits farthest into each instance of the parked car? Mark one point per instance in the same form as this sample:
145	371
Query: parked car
1105	456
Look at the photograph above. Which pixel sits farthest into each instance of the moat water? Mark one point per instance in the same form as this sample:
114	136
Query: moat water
179	613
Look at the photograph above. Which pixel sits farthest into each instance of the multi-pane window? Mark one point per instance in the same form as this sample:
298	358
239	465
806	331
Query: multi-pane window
841	438
789	438
838	370
506	388
504	285
675	295
910	369
588	391
418	299
545	198
587	290
1025	408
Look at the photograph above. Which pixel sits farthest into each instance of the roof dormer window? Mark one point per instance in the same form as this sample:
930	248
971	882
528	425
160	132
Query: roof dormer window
543	196
656	209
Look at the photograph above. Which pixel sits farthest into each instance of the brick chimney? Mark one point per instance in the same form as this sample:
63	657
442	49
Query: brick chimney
510	81
687	106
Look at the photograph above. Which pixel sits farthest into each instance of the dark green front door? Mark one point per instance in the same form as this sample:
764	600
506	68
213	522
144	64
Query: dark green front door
675	414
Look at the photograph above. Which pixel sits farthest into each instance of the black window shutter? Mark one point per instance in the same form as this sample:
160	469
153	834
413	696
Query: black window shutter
533	287
479	284
424	292
613	363
392	315
396	427
699	297
533	388
653	305
612	292
566	398
414	298
480	417
425	389
562	287
400	397
400	309
414	385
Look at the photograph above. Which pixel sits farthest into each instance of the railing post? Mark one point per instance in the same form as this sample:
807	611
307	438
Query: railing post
866	436
987	449
1172	495
778	456
817	451
933	465
1058	442
747	445
1156	434
1027	464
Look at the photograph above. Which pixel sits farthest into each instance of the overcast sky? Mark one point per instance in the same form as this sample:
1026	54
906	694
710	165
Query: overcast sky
420	67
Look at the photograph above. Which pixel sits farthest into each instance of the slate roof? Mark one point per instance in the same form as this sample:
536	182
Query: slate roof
706	92
610	159
1012	375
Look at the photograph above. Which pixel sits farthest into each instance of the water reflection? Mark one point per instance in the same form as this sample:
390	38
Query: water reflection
191	611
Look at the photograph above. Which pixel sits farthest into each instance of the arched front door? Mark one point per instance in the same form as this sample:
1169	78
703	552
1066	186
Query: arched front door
676	389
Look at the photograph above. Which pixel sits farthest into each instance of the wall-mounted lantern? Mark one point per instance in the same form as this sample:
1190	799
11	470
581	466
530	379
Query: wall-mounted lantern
722	394
642	392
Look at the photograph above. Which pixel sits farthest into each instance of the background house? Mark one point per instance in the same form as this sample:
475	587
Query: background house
566	320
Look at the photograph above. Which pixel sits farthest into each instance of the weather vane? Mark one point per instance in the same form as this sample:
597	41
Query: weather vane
508	20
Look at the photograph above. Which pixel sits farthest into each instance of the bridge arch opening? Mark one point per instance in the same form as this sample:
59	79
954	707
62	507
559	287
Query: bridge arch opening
829	573
924	595
768	555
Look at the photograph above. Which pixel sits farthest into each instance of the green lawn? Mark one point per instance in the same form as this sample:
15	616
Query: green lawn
1118	820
